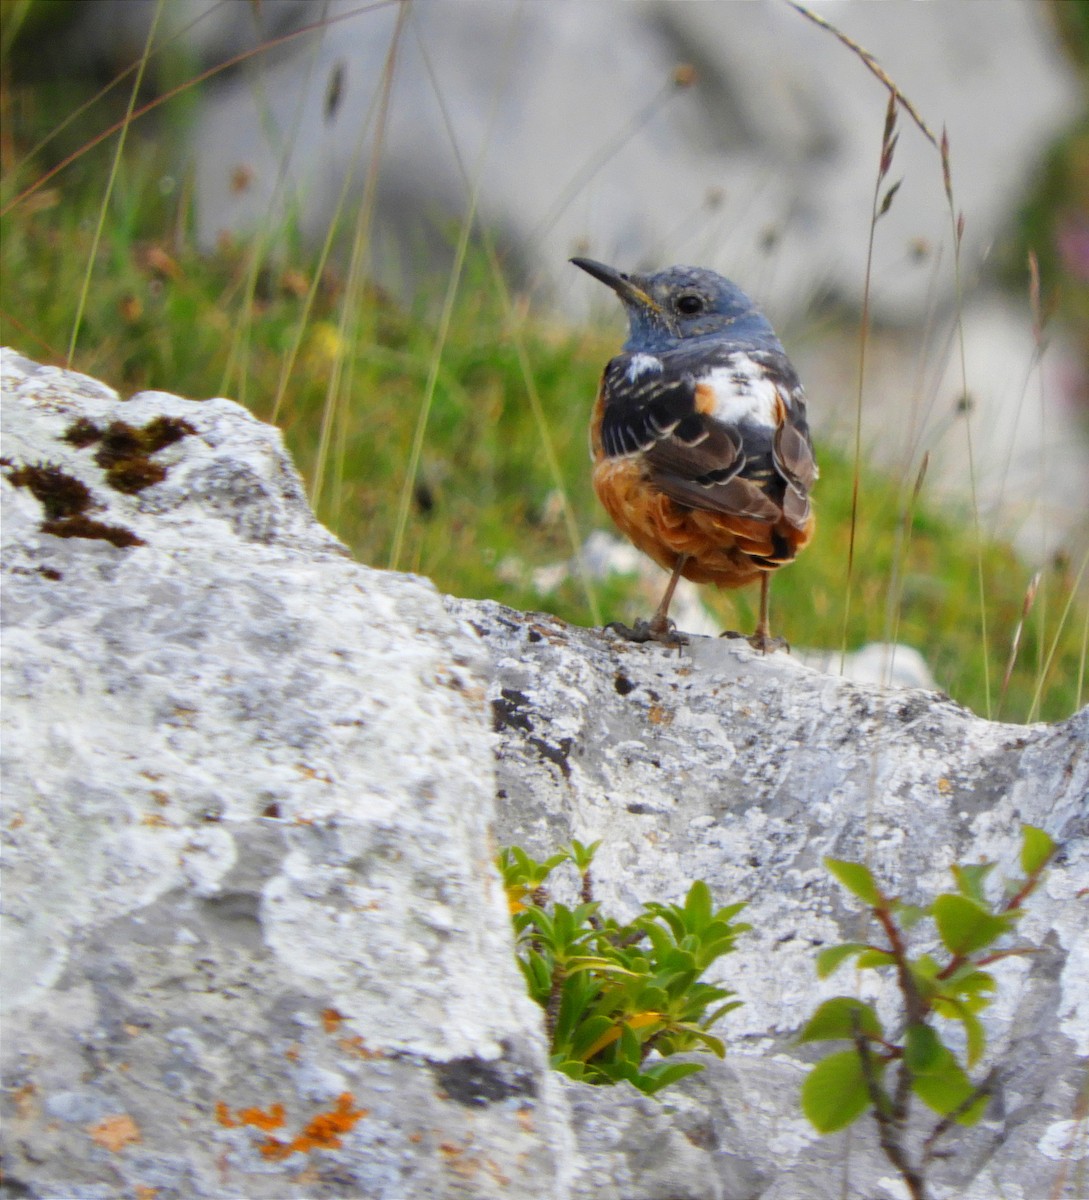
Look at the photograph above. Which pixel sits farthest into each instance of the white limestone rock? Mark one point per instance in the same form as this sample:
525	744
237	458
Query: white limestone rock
250	811
247	783
716	763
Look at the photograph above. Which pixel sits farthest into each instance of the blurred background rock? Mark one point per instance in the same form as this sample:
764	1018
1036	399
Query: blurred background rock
734	135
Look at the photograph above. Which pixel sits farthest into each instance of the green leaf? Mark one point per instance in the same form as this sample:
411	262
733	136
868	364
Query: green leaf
567	1066
957	1010
718	1013
582	856
873	957
697	905
830	958
841	1017
689	1037
631	1045
661	1075
857	879
909	915
924	1051
966	926
937	1078
588	1034
970	981
946	1087
1036	848
834	1093
970	880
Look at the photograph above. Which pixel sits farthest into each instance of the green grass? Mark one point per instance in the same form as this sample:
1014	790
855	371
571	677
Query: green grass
163	316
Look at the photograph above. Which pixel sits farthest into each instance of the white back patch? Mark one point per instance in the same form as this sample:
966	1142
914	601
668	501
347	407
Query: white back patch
742	391
643	364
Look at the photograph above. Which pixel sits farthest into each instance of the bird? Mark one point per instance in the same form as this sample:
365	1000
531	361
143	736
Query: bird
699	439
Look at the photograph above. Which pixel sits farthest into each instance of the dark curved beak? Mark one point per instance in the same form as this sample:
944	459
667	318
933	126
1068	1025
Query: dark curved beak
625	286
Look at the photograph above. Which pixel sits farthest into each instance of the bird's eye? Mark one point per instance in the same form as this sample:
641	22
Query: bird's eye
689	303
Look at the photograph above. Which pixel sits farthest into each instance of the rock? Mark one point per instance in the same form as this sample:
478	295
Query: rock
603	555
248	810
564	119
762	167
254	944
720	765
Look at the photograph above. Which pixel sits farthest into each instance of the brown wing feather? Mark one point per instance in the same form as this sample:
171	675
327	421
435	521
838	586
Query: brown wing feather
793	459
749	481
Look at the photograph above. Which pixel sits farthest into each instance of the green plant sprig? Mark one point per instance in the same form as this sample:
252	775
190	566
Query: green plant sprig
614	992
847	1083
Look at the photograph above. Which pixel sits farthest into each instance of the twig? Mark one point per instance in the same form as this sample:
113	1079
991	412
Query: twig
949	1120
890	1122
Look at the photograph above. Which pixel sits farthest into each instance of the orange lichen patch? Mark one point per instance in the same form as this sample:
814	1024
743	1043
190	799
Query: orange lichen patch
657	715
322	1133
25	1104
223	1115
275	1149
496	1173
524	1116
259	1119
459	1161
156	820
143	1192
116	1132
292	1053
944	786
331	1019
357	1046
325	1128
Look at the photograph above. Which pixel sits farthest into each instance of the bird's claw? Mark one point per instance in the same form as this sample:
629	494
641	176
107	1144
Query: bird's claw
763	642
665	632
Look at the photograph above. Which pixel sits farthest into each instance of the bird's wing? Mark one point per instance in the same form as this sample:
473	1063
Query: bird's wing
722	430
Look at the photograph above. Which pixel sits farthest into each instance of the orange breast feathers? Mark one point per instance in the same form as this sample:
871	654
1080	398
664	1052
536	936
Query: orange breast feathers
744	528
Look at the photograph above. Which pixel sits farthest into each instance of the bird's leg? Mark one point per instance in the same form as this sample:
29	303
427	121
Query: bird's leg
659	628
762	640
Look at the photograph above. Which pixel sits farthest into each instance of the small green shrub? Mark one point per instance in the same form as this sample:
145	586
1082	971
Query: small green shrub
612	993
883	1072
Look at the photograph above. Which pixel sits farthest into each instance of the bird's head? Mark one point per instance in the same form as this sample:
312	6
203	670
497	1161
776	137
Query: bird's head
679	303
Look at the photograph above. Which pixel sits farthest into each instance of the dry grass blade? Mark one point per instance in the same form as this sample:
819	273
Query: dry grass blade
525	367
872	65
886	204
1064	616
676	82
903	546
335	392
1038	319
1015	641
878	208
958	236
468	220
107	192
168	95
31	155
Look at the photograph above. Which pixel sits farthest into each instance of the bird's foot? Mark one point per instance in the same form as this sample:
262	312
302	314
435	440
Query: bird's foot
763	642
665	632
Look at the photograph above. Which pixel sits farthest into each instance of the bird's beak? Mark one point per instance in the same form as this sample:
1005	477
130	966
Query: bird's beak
625	286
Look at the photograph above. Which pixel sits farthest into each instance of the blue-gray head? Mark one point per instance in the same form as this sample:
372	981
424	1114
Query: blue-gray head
679	303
